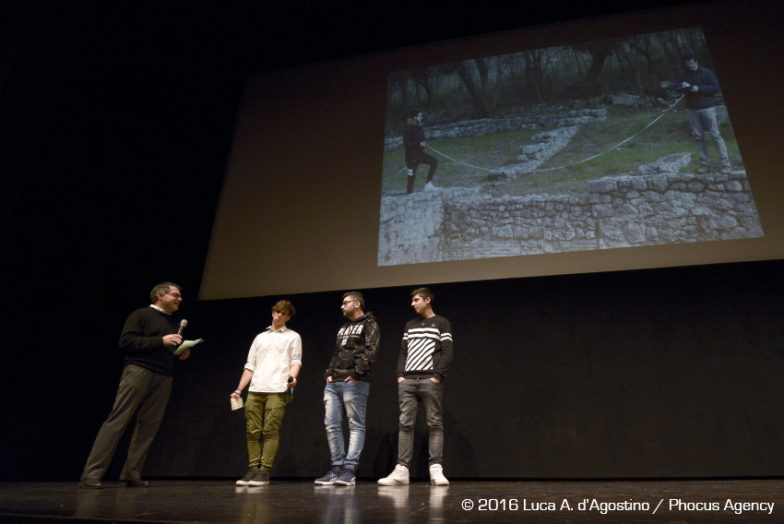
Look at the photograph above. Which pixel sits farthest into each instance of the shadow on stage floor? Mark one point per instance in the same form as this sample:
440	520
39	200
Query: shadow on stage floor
682	501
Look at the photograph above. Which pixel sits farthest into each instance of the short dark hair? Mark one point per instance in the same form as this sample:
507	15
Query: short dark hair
356	296
285	307
162	289
424	293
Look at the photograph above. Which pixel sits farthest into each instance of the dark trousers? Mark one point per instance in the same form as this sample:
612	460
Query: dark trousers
144	393
410	392
413	159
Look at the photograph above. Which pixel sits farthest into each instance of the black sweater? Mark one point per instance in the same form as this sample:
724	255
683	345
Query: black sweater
142	340
708	86
355	349
413	136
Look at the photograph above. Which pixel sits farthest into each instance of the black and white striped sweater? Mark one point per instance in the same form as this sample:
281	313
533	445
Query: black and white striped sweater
426	349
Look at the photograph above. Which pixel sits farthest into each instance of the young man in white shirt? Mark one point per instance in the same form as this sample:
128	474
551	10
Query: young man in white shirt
274	361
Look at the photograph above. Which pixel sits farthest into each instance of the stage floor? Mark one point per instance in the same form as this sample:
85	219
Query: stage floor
680	501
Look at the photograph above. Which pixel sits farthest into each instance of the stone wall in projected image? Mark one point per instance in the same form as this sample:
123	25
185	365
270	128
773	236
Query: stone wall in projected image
656	205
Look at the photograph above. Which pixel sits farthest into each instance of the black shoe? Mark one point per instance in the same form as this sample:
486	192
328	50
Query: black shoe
260	477
137	483
91	483
244	481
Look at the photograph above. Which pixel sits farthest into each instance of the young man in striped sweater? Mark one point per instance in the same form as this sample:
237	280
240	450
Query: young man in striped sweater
425	355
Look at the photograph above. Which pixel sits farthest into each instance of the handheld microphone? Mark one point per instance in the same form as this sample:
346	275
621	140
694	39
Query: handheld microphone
291	390
183	323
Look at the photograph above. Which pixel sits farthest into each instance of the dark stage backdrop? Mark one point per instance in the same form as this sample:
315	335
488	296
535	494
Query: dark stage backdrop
659	373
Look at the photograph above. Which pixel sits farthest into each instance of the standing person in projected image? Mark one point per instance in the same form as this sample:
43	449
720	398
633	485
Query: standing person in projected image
700	88
347	387
148	340
425	356
414	144
274	361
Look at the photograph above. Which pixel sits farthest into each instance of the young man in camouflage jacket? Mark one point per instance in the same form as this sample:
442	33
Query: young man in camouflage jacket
347	387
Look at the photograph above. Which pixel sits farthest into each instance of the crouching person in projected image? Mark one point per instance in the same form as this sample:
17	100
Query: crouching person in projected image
274	361
425	356
414	143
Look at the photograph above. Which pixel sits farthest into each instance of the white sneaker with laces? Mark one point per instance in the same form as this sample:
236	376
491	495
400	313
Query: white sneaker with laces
398	477
430	187
437	477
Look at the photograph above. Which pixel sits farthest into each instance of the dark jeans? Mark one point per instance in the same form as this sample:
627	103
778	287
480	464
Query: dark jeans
145	393
410	392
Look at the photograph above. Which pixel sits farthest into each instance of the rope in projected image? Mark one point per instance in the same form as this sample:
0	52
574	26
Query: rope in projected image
584	160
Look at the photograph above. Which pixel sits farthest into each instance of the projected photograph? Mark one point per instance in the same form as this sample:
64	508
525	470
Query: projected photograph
605	144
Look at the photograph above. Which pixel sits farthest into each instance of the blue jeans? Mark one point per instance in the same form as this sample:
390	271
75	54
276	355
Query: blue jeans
345	399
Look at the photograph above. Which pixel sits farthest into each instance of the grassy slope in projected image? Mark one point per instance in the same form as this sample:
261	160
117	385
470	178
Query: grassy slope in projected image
554	150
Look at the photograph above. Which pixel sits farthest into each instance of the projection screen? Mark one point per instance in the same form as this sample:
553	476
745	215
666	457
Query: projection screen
555	150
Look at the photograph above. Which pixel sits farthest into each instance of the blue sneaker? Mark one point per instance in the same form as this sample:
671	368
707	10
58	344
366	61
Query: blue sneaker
347	477
330	478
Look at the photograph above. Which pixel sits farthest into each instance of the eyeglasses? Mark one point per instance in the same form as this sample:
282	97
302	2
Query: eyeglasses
347	302
175	295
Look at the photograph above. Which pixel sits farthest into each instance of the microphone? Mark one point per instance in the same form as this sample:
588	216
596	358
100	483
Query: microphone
183	323
291	390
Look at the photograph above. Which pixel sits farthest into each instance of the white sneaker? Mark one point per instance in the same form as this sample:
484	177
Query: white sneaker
430	187
437	477
399	476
